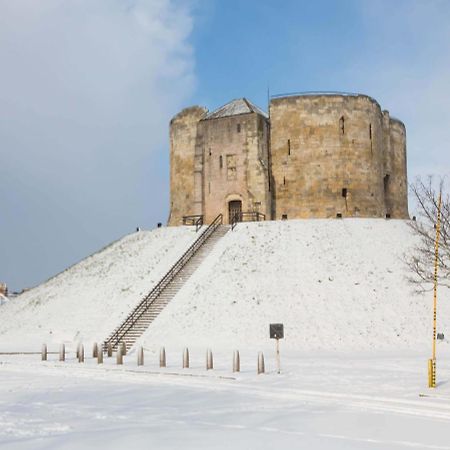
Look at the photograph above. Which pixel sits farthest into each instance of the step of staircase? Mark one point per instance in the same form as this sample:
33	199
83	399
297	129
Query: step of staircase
166	295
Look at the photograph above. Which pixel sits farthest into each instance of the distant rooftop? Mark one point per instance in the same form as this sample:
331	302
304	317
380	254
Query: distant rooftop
234	108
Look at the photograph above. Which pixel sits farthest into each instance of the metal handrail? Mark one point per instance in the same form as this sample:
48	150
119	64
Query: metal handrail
252	216
116	337
198	223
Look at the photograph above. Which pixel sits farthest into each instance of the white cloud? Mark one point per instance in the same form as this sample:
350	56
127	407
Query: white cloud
86	92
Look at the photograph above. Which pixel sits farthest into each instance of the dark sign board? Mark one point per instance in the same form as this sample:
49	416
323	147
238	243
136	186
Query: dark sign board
276	331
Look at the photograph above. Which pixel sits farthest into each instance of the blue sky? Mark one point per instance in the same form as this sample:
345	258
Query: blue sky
87	90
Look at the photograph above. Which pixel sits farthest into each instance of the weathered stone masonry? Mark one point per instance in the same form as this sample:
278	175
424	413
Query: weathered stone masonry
318	156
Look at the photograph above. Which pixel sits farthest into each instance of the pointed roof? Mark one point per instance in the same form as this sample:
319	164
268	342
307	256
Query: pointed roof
234	108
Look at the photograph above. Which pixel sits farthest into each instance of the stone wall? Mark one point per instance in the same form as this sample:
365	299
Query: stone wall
185	198
398	181
328	158
235	150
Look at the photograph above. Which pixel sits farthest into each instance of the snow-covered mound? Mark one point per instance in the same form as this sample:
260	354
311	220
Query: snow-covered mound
335	284
3	299
88	300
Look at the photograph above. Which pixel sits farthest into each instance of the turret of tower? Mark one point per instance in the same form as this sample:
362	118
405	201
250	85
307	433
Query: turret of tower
185	167
327	156
398	185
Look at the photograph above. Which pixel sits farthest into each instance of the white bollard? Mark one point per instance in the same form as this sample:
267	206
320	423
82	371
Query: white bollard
62	352
162	357
109	349
186	358
100	356
209	360
140	356
81	354
236	361
95	350
119	356
261	368
44	352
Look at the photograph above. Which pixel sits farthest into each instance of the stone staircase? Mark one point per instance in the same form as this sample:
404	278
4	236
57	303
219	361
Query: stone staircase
146	312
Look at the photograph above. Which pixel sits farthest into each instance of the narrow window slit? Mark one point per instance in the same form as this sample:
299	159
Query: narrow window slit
386	183
342	124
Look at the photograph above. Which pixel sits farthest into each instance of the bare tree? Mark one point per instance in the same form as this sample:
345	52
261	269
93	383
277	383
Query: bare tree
422	257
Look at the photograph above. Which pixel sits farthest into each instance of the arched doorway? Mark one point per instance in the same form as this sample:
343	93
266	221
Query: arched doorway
234	211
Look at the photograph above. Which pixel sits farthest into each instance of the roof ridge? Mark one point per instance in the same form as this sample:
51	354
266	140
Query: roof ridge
235	107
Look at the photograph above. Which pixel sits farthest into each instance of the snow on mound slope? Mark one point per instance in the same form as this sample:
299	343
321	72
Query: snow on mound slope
335	284
3	300
88	300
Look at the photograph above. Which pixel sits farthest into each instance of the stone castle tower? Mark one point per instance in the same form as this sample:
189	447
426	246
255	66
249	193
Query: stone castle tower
317	155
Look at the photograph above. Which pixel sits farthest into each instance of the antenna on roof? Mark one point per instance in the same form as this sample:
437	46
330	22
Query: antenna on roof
268	99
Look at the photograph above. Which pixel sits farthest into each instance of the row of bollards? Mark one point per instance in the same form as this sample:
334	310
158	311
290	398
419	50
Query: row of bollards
122	351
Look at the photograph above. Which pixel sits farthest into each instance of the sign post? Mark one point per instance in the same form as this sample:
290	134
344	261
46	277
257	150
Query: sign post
277	332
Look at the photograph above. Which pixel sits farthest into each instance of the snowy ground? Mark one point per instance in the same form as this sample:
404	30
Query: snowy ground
335	284
354	357
320	401
87	301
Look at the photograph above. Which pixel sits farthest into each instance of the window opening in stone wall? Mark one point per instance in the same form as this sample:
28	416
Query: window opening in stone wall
386	183
210	152
344	194
284	181
342	124
289	146
238	127
339	216
388	216
283	216
221	161
370	131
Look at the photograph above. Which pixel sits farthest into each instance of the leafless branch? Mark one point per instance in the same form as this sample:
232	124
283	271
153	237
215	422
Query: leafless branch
421	258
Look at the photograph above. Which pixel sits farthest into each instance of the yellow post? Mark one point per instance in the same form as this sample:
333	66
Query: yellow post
432	361
431	373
